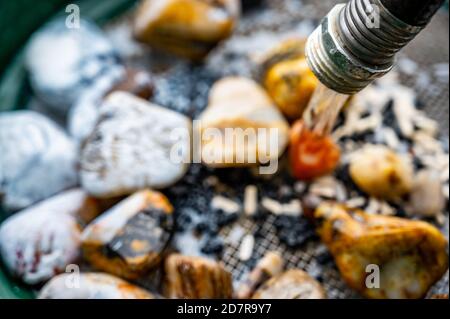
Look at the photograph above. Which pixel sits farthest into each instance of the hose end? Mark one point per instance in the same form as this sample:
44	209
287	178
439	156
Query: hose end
355	44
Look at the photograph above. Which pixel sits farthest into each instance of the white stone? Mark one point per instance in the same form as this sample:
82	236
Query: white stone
134	146
63	61
39	242
37	159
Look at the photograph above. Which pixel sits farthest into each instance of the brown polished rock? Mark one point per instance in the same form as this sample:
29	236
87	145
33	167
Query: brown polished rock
187	28
196	278
130	239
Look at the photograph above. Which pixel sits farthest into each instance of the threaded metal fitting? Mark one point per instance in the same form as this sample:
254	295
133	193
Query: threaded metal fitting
355	44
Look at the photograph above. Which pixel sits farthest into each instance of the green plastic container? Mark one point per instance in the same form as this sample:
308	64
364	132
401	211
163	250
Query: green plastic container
18	22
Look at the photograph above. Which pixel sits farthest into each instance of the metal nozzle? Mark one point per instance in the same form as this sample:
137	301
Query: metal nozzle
356	43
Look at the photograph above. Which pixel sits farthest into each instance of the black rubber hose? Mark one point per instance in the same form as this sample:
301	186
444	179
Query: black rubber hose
413	12
251	4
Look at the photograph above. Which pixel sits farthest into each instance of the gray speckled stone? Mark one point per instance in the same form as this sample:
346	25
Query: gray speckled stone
62	62
37	159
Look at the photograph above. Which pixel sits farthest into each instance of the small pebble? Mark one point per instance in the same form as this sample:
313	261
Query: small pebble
246	248
294	208
225	204
250	200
